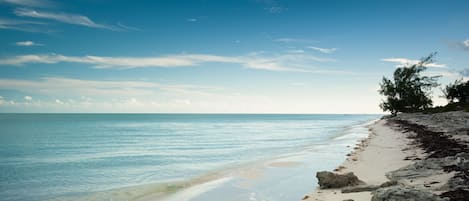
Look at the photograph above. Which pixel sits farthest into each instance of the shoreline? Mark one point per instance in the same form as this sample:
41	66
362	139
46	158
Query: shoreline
396	150
370	160
255	179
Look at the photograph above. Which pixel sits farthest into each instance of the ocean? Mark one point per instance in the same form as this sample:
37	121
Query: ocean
171	156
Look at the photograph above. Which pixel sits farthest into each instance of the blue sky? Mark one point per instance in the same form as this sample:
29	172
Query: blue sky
247	56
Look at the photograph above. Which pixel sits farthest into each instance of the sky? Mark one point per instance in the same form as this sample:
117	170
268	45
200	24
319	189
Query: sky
211	56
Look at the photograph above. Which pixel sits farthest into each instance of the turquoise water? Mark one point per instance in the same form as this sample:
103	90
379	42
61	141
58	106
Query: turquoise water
45	156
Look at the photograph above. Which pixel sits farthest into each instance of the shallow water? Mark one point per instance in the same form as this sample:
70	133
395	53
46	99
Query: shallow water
46	156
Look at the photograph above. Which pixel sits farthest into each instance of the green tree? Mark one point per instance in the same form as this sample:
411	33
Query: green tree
409	91
458	90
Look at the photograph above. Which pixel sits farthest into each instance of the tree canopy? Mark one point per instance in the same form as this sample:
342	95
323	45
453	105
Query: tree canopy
408	91
459	91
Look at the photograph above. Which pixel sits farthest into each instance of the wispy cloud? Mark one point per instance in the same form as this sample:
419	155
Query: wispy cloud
20	25
293	40
323	50
272	6
402	62
192	19
29	3
274	9
27	43
59	94
68	18
286	62
57	86
296	51
61	87
125	27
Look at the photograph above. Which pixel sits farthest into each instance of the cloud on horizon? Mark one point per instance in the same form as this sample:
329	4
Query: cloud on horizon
464	72
403	62
69	94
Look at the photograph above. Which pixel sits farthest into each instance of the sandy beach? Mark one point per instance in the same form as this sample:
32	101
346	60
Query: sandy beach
394	151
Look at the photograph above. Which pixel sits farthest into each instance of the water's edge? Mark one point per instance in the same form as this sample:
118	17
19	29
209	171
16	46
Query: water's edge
193	187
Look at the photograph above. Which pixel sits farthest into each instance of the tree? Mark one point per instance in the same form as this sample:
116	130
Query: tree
409	91
458	90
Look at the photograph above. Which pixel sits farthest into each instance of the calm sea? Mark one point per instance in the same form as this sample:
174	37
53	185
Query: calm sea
46	156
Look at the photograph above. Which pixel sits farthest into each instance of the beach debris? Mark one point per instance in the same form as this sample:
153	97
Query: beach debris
433	134
456	195
445	140
348	200
401	193
328	179
305	197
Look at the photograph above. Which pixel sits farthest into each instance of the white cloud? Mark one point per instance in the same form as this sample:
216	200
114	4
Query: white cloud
125	27
323	50
192	19
286	62
293	40
56	86
296	51
61	17
28	98
29	3
20	25
466	43
118	96
402	62
274	9
87	90
27	43
74	95
4	102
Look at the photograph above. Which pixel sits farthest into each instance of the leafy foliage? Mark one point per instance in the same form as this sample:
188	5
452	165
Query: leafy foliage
409	91
459	91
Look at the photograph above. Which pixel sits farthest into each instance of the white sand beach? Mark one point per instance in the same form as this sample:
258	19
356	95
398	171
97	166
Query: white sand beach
388	149
381	152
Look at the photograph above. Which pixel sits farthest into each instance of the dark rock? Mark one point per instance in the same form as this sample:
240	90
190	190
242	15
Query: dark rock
361	188
328	179
356	189
388	184
400	193
423	168
456	195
